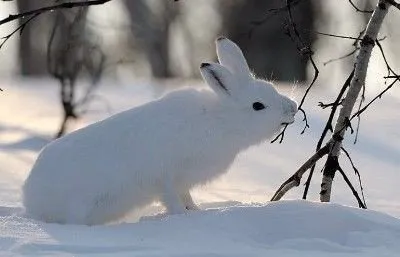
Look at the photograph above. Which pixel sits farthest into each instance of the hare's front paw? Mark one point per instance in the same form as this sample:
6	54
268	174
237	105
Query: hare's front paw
175	208
192	208
188	202
172	200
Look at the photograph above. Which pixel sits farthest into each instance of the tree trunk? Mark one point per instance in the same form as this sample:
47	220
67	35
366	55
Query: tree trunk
67	50
358	81
152	31
32	54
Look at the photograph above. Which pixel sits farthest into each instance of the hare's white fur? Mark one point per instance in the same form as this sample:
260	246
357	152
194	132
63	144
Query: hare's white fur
158	151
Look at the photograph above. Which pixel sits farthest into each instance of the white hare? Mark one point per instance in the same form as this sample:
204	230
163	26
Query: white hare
158	151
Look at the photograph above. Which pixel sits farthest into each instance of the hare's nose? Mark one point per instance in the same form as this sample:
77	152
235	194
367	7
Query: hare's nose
291	106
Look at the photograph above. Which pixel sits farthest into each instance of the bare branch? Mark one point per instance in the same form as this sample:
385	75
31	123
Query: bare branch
358	113
67	5
336	36
280	136
274	11
358	125
294	180
358	9
19	29
389	68
360	203
305	120
357	173
358	117
342	57
355	45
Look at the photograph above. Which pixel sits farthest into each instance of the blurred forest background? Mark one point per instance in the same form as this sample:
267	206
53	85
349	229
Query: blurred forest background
169	39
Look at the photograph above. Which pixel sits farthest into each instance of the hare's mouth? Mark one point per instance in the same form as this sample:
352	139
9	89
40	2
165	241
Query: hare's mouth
288	122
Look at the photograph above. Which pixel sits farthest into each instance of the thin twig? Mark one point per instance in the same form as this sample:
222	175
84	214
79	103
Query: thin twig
280	136
355	45
360	203
269	13
358	9
335	35
305	120
389	68
357	173
276	10
358	113
294	180
358	126
342	57
359	117
67	5
19	29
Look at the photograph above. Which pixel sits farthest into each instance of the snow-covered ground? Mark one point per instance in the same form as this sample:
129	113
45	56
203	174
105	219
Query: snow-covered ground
237	220
288	228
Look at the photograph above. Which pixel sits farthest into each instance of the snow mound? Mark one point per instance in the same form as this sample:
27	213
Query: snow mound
286	228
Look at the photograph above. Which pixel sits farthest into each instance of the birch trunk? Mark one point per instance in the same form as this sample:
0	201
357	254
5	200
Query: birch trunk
367	43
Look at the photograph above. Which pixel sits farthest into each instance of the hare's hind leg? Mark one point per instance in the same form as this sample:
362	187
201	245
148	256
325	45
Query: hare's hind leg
188	201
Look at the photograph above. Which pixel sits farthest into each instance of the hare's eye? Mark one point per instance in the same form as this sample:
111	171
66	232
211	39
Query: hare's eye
257	106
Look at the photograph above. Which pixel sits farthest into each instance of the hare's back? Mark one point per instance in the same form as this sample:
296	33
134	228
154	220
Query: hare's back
129	139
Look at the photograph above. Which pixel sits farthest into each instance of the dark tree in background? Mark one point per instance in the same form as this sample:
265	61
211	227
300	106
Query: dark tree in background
268	48
151	30
32	43
71	52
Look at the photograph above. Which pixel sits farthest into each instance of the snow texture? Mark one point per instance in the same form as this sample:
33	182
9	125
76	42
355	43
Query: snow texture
287	228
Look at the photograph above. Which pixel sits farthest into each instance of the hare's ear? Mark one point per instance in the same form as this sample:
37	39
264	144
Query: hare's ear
231	57
218	78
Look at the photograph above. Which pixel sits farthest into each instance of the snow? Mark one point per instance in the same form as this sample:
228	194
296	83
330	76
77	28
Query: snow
286	228
236	217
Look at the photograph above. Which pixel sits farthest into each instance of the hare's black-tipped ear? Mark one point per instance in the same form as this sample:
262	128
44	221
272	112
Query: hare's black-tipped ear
231	57
218	78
